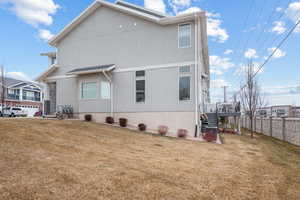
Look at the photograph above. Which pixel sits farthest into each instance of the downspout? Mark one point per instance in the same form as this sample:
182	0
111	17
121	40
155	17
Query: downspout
111	94
196	76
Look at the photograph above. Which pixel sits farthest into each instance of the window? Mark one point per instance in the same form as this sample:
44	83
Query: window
184	83
89	90
105	90
140	86
184	35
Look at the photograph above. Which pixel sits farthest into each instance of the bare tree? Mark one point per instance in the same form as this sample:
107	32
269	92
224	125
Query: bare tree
251	97
2	90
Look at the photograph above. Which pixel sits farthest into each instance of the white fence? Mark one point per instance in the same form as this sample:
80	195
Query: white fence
286	129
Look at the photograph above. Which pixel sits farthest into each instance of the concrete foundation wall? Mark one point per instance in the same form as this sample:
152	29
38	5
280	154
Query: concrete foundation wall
174	120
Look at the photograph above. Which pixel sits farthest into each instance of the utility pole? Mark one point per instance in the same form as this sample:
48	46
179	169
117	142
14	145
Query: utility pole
225	98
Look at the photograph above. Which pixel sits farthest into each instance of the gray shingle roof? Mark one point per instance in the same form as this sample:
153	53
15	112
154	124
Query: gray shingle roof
11	81
91	68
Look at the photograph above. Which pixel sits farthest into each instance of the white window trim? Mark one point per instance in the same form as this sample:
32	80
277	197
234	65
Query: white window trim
100	88
80	90
136	79
179	34
184	74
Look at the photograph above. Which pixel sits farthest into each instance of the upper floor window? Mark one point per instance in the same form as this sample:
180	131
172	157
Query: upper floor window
184	83
89	90
184	35
140	86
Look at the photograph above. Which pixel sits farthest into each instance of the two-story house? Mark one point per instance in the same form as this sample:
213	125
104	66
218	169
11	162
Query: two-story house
23	94
127	61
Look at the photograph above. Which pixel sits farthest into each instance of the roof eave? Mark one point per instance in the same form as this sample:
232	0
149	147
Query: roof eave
42	77
92	71
88	11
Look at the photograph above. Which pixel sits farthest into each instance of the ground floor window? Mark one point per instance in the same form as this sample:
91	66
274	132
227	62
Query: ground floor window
105	90
184	83
89	90
140	86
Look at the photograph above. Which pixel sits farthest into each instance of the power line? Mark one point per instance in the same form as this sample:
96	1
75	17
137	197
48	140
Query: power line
272	54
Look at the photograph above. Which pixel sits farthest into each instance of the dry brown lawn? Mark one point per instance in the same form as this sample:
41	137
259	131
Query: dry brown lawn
49	159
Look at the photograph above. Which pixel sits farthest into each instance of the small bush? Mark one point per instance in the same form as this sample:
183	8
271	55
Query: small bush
109	120
142	127
123	122
88	117
162	130
182	133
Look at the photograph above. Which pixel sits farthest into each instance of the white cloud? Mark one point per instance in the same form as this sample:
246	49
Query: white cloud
18	75
214	29
293	13
251	53
178	5
218	65
242	69
217	83
228	51
45	35
279	27
278	9
157	5
278	54
189	10
33	12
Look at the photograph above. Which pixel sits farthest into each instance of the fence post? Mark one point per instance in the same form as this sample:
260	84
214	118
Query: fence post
261	125
283	128
254	121
271	127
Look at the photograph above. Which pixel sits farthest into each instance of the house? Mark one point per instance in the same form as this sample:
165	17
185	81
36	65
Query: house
279	111
23	94
127	61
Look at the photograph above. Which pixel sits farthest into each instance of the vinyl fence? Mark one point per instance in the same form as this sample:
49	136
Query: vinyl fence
286	129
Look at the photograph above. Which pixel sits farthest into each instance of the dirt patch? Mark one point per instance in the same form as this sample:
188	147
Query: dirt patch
49	159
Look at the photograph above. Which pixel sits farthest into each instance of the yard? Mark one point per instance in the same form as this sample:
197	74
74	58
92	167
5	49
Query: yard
50	159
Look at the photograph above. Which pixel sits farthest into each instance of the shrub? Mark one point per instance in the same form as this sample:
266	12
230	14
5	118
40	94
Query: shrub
88	117
182	133
210	137
123	122
142	127
109	120
162	130
211	134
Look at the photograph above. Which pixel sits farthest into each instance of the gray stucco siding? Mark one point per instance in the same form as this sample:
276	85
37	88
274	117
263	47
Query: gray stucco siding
100	40
162	91
66	92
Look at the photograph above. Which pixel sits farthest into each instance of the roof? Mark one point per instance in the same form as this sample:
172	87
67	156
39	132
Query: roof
140	9
128	8
49	54
15	83
92	69
48	71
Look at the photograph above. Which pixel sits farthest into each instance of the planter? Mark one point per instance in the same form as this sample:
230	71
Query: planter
123	122
142	127
211	134
109	120
88	117
162	130
182	133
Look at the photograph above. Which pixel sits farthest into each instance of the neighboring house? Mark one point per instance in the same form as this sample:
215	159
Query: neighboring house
127	61
23	94
279	111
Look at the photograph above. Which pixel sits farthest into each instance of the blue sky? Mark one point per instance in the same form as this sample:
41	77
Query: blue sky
26	25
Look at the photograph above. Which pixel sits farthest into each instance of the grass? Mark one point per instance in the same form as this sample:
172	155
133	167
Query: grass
49	159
